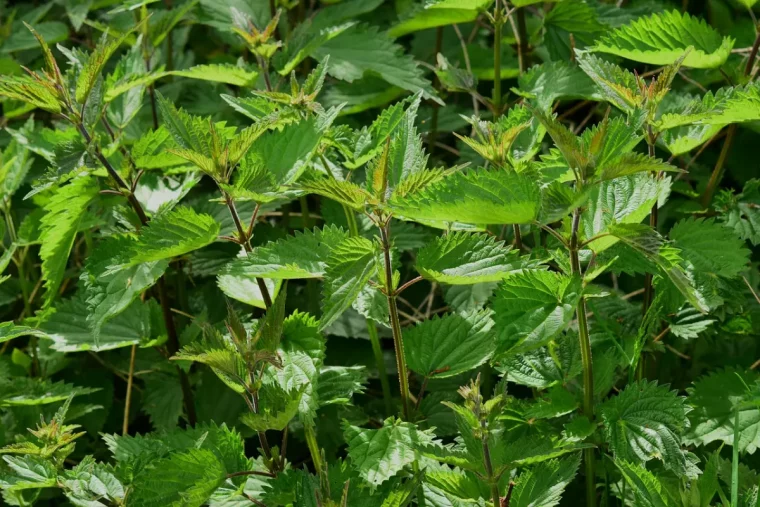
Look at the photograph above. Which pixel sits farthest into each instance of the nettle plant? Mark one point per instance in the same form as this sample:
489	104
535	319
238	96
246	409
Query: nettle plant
369	253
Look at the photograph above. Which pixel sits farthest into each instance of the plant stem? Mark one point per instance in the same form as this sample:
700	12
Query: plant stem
311	443
377	350
653	219
128	401
522	40
172	337
245	239
588	372
265	447
433	134
735	461
496	98
494	484
398	342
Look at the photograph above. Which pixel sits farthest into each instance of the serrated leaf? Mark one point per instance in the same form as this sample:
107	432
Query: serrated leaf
336	385
544	484
174	233
277	407
69	329
460	258
556	80
476	196
533	307
349	268
59	226
449	345
715	398
647	488
710	247
219	73
344	192
30	91
378	455
662	38
24	391
439	13
303	255
741	212
644	422
363	50
617	85
184	479
28	472
96	61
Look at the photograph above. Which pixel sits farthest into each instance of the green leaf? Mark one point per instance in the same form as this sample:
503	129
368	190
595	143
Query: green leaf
662	38
363	50
349	268
544	484
378	455
303	255
28	472
710	247
96	61
172	234
715	398
246	289
449	345
460	258
109	287
617	85
644	422
219	73
163	401
477	196
90	482
727	105
20	39
647	488
59	226
626	200
67	326
741	212
30	91
344	192
25	391
277	407
439	13
185	479
9	331
551	81
336	385
532	308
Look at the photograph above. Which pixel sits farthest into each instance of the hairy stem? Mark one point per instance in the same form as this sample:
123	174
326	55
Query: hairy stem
522	40
496	98
653	219
377	350
311	443
245	239
171	331
588	372
398	342
128	401
492	481
433	134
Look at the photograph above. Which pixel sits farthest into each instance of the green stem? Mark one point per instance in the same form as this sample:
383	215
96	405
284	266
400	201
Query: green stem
653	219
522	40
398	342
735	462
311	443
433	135
377	350
496	98
588	372
494	484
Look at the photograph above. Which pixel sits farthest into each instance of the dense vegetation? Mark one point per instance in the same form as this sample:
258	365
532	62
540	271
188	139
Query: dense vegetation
369	253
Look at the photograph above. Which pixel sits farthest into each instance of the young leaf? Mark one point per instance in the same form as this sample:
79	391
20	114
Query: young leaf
477	196
59	227
349	268
96	61
662	38
277	407
220	73
617	85
304	255
441	13
460	258
741	212
449	345
533	307
174	233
